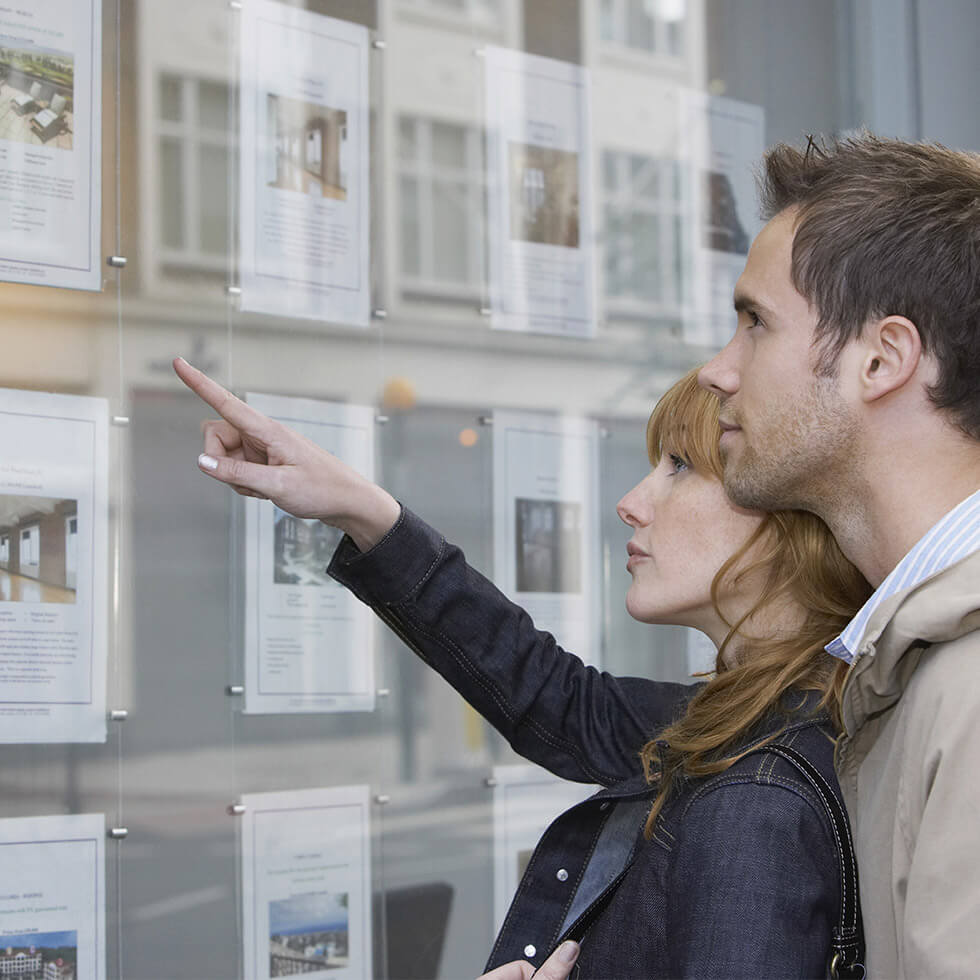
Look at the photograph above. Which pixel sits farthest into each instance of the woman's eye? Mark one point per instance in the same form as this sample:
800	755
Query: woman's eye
678	462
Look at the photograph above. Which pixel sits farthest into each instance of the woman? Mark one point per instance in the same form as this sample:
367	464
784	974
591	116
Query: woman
695	859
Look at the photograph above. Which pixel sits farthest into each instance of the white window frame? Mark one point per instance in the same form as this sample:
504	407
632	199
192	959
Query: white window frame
426	174
619	42
190	135
672	212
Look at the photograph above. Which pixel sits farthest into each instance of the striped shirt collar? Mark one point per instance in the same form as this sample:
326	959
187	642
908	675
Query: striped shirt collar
954	537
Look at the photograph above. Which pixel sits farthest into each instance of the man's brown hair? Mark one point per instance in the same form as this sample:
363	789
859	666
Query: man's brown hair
886	228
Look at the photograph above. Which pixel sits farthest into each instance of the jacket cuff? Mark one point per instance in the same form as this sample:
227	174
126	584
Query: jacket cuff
395	567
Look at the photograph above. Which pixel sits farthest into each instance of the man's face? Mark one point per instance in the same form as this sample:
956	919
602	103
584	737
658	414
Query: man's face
785	429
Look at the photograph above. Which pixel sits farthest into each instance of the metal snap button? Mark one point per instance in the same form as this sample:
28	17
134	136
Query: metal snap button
562	875
529	950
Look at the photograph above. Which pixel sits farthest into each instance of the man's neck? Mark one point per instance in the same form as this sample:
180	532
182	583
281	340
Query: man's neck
882	516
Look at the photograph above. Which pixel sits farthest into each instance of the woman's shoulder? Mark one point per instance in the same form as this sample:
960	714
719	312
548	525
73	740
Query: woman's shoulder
765	785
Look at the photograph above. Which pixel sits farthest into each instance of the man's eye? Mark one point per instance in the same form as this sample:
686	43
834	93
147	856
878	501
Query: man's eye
754	320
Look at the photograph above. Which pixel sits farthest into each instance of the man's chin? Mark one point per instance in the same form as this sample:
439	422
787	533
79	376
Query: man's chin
743	487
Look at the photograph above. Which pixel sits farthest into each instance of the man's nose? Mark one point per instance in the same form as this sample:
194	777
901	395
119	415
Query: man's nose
720	375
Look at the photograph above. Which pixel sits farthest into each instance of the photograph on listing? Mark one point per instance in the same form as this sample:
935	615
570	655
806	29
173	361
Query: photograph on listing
38	549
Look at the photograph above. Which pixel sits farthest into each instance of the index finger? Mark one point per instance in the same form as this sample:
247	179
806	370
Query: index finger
245	418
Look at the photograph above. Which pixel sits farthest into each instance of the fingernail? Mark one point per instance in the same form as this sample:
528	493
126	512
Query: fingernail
568	952
207	462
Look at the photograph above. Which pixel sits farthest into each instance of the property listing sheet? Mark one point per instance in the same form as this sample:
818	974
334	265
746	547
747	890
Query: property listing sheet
51	143
722	142
306	884
53	567
526	799
539	195
309	643
545	526
304	164
52	899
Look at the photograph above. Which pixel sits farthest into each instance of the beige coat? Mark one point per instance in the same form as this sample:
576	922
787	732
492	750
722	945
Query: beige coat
909	767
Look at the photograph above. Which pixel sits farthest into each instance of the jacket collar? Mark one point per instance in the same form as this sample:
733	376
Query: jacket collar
940	609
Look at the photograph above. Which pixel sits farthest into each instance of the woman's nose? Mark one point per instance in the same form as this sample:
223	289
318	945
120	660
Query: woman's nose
629	507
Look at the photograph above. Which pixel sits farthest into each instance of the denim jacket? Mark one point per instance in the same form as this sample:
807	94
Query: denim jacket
740	877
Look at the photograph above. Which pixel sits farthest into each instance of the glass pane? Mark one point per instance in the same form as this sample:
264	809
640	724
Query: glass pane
450	232
607	20
213	105
407	139
449	145
640	31
410	228
645	176
645	251
214	198
171	194
170	98
610	170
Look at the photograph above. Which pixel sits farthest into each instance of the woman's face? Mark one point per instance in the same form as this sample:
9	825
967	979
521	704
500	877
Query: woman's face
684	530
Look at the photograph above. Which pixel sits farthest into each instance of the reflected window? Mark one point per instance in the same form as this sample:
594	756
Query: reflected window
479	10
442	194
645	214
195	153
4	549
654	26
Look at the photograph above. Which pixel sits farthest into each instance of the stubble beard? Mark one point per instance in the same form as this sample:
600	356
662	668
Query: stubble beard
794	454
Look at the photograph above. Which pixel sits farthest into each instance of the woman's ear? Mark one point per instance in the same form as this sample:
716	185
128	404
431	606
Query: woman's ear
891	356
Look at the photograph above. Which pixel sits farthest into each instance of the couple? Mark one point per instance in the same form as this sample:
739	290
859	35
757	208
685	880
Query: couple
848	404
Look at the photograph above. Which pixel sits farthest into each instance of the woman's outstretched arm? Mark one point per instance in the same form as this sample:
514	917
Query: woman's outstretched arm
574	720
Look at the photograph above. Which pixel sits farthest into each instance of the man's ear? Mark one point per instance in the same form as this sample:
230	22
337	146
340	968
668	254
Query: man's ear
891	355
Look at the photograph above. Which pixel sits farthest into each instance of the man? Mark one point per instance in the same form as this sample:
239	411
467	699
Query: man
852	389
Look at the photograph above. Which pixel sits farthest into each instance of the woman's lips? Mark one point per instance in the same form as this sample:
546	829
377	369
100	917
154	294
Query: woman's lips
634	555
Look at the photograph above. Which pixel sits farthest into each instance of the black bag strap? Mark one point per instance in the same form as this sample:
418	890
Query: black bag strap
846	958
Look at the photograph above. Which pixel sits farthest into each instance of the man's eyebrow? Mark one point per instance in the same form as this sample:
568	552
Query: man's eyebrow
744	303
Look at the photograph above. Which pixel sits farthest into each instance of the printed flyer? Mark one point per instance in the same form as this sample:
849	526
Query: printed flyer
51	143
53	567
542	250
309	643
545	530
52	899
722	141
305	174
306	884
